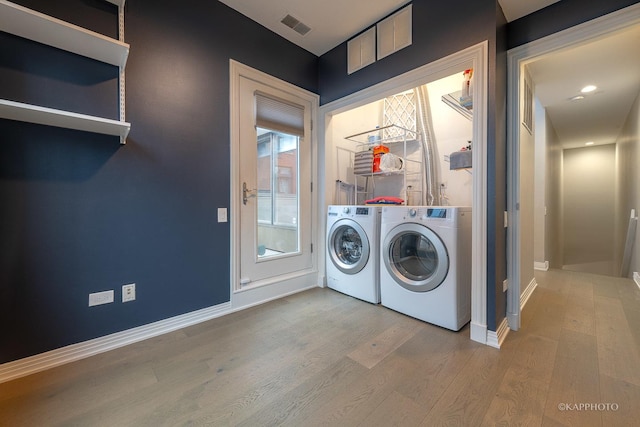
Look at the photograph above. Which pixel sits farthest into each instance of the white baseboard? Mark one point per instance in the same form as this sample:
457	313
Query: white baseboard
322	281
284	286
495	339
514	319
40	362
524	296
479	333
543	266
636	278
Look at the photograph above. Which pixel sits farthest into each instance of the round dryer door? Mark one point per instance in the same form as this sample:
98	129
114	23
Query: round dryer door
348	246
415	257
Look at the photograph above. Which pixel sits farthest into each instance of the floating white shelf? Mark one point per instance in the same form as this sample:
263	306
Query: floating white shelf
119	3
453	101
51	117
32	25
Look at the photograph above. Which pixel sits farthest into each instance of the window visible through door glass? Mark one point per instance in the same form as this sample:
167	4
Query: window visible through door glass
278	198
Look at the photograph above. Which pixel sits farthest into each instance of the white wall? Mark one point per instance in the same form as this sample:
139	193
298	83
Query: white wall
526	203
628	161
452	131
589	208
554	235
540	176
625	191
339	153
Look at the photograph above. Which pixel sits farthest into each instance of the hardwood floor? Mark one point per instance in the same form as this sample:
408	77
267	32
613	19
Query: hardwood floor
323	358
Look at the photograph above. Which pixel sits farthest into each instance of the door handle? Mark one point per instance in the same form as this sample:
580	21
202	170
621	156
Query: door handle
246	193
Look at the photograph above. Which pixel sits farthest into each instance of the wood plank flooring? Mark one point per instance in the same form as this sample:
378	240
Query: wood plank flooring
323	358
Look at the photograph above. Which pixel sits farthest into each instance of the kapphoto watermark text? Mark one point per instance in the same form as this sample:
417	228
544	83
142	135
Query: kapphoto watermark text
588	406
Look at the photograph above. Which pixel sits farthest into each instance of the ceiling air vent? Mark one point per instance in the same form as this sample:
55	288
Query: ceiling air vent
296	25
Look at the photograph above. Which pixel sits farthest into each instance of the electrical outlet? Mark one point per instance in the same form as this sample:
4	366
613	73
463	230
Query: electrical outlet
128	292
99	298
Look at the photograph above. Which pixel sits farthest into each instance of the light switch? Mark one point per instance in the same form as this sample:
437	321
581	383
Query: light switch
222	214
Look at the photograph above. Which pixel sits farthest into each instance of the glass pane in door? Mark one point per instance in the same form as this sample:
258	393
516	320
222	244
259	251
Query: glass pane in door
278	198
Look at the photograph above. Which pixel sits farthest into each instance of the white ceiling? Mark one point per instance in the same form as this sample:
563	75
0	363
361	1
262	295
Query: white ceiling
612	64
514	9
330	28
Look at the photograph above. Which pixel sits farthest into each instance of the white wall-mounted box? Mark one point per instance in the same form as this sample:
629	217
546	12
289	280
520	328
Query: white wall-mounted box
395	32
361	50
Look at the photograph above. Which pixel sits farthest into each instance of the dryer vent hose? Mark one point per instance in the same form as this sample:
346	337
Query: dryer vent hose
425	127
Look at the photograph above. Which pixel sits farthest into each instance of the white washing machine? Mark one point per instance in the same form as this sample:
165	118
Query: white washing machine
426	263
353	235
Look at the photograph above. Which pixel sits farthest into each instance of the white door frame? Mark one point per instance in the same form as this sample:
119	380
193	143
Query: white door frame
288	283
517	58
475	57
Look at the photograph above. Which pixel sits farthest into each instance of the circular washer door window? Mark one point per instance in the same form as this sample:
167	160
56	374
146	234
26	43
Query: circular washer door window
348	246
415	257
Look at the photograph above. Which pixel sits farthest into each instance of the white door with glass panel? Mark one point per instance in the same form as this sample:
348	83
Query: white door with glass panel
275	181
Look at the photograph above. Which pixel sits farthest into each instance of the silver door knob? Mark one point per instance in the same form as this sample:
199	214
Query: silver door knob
246	193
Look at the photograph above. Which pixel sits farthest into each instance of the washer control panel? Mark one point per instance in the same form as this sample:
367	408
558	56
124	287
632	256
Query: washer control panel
436	213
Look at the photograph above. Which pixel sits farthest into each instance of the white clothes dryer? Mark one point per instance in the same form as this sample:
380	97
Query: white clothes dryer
353	235
426	257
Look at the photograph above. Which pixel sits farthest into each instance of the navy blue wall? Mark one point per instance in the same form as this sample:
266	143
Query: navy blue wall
560	16
80	213
496	181
441	29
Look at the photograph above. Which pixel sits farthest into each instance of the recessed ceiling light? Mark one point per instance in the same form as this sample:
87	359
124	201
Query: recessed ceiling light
576	98
589	143
588	89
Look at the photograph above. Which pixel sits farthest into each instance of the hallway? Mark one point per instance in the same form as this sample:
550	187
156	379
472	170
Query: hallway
583	333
